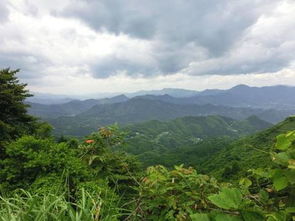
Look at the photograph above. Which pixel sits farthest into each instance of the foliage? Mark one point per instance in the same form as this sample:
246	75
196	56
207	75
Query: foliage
182	194
30	158
188	140
166	195
14	120
281	177
24	206
42	166
246	153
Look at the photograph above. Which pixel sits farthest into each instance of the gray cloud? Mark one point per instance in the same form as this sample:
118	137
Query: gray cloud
146	38
185	31
110	66
3	11
31	65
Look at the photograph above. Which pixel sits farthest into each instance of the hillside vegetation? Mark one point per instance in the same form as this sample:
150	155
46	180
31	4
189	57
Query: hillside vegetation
187	140
246	153
94	179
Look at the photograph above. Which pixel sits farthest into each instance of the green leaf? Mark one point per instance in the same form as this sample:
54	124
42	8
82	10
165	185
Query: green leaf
291	164
245	182
279	216
290	209
281	158
263	195
283	143
280	182
291	135
252	215
199	217
225	217
227	198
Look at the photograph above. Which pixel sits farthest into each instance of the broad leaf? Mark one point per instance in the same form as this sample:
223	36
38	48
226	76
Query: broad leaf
280	182
225	217
245	182
199	217
227	198
283	143
251	215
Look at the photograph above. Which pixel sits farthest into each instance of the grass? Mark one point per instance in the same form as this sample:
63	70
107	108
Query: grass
24	206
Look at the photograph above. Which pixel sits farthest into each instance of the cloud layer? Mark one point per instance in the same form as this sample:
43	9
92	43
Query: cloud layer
57	44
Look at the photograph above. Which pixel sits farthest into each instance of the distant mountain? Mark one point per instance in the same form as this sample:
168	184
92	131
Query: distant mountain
272	97
271	104
70	108
174	92
139	109
211	92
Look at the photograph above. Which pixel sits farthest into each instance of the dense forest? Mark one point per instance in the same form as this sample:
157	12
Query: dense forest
199	168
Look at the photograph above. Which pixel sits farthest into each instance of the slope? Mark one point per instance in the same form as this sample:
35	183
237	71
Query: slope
246	153
187	140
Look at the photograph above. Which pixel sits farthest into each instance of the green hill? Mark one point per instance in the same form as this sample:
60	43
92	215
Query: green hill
187	140
246	153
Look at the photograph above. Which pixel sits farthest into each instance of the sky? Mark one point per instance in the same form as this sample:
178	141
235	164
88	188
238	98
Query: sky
76	47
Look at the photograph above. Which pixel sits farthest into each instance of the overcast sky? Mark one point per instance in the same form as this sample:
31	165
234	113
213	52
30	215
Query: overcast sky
92	46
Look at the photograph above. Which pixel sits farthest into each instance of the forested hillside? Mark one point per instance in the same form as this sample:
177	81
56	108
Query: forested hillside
187	140
246	153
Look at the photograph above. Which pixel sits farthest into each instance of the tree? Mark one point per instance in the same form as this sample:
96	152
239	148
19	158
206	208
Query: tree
14	119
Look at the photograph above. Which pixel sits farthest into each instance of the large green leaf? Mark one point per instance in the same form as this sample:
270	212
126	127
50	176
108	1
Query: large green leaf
227	198
280	182
278	216
199	217
252	215
281	158
245	182
225	217
283	143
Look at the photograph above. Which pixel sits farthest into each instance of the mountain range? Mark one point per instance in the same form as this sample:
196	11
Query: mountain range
80	117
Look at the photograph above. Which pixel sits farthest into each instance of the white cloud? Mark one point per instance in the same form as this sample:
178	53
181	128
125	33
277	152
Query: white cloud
266	46
197	48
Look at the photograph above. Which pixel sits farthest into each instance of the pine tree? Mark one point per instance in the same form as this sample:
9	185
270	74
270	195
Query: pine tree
14	119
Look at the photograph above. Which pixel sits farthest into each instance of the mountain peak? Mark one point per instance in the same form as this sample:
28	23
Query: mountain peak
240	86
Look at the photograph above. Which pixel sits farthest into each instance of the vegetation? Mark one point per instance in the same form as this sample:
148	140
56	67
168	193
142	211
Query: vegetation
93	179
188	140
14	120
246	153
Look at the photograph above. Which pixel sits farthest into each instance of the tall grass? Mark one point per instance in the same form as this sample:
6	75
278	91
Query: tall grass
24	206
